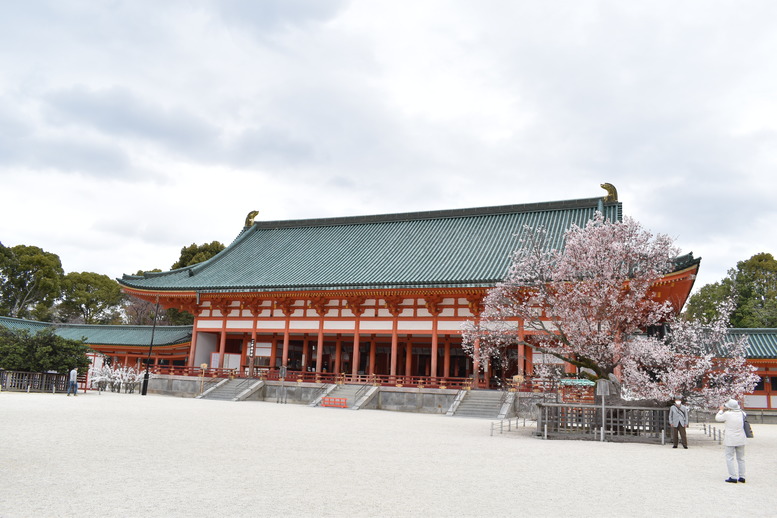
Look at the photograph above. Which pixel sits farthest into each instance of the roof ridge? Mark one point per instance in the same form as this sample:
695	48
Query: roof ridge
434	214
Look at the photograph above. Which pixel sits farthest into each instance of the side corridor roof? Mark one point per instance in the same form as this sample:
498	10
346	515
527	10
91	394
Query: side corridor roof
761	343
451	248
104	334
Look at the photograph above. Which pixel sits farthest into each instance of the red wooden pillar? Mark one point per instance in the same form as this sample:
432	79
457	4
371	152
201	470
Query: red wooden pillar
446	363
319	304
285	305
409	357
355	358
373	353
222	344
193	346
394	348
305	351
320	345
393	305
274	351
355	305
475	303
223	306
435	353
244	358
285	353
338	355
433	307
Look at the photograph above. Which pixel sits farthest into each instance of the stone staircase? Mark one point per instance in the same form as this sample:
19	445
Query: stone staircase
481	403
348	392
228	390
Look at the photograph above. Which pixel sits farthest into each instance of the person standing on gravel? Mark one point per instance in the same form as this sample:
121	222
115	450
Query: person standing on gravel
678	420
734	440
73	382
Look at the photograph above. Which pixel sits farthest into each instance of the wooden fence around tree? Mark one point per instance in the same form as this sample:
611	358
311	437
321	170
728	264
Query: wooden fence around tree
621	423
33	381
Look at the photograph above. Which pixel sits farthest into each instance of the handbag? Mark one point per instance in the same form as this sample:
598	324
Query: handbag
746	426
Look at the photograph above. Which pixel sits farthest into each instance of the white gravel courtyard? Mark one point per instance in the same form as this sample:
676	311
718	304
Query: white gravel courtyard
128	455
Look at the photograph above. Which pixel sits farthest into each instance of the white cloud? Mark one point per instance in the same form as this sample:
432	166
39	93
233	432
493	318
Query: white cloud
131	129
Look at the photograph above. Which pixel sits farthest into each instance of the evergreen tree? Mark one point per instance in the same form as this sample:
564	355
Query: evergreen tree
41	352
90	298
30	281
753	284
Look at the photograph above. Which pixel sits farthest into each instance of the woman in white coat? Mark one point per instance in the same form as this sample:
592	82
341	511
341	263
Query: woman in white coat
734	441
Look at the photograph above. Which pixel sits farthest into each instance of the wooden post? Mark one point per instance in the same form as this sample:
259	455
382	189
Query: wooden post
338	355
409	357
274	351
435	353
446	365
373	352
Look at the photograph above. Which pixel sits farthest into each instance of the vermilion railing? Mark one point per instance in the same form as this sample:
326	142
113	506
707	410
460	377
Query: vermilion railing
525	384
320	377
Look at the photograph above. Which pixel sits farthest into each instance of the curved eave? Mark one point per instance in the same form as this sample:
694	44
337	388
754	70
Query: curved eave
141	347
676	286
172	293
103	348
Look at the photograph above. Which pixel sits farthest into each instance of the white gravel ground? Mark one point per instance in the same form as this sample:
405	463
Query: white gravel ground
128	455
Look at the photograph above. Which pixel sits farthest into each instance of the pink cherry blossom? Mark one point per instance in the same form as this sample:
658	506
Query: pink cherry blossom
590	303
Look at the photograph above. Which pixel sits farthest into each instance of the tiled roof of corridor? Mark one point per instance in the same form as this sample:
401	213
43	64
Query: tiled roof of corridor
451	248
106	335
761	343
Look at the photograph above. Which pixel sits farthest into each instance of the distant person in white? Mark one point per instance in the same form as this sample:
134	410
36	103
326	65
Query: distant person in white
72	383
734	441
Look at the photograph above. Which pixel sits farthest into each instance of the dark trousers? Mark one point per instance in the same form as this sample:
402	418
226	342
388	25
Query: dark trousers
681	430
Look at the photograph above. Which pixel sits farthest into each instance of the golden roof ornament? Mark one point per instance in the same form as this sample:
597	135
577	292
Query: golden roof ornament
612	193
250	218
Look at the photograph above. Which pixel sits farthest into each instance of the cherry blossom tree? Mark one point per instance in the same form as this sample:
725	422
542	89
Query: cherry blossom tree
589	303
115	377
697	360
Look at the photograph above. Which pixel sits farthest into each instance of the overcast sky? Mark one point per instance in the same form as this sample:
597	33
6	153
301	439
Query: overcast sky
129	129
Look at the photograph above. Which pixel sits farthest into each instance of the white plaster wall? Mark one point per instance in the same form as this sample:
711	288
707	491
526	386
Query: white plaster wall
375	325
207	343
449	325
239	324
299	325
340	324
415	325
755	401
208	324
274	325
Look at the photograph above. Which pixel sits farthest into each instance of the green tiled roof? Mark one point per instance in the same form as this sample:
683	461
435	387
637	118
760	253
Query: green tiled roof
106	335
761	343
452	248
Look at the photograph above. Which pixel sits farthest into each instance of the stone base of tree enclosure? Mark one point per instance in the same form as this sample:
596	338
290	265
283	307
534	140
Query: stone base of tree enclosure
619	423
